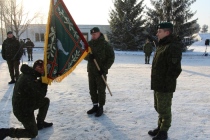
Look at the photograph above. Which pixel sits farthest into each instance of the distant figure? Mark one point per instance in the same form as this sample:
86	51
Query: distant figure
22	44
12	52
147	50
29	46
29	95
206	43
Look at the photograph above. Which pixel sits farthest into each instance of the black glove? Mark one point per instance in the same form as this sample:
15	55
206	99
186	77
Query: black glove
91	56
101	72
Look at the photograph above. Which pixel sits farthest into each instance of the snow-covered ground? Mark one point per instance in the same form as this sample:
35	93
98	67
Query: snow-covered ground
129	113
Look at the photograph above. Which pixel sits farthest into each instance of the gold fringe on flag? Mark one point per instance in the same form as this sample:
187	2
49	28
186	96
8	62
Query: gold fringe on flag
44	78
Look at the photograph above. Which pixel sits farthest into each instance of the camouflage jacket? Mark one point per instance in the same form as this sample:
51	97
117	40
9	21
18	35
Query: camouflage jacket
22	44
11	49
147	48
166	65
103	53
28	91
29	45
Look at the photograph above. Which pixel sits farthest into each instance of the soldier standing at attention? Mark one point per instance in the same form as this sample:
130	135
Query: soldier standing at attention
28	95
29	46
103	53
147	50
166	67
22	44
12	53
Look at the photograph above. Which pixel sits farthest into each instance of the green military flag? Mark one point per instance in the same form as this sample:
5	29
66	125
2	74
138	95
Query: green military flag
65	46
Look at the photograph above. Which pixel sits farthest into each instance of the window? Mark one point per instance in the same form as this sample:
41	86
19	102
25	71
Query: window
42	36
39	37
85	36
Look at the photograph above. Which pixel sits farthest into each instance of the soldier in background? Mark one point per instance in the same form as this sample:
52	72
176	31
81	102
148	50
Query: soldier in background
166	67
29	46
22	44
28	95
12	53
103	53
147	50
206	43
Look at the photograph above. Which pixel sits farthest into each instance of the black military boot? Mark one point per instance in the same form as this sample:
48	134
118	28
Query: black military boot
162	135
93	110
4	132
12	81
100	111
154	132
43	124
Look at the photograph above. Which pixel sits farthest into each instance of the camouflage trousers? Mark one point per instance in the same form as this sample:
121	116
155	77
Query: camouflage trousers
30	54
147	57
29	122
97	88
162	104
13	66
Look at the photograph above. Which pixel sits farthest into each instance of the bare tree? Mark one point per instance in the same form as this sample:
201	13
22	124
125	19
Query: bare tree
15	18
1	18
204	28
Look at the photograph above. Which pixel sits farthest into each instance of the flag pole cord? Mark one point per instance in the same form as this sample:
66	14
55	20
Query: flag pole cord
102	76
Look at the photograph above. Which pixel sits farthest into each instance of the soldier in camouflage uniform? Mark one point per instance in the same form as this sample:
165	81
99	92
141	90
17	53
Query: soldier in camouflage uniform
29	45
22	44
147	50
12	53
28	95
166	67
103	53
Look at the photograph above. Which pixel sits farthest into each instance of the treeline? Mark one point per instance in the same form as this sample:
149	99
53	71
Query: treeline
131	22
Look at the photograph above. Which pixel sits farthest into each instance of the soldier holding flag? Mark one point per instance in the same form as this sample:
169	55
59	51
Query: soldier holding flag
29	95
103	53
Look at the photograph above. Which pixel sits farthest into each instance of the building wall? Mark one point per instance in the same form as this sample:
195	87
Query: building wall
36	32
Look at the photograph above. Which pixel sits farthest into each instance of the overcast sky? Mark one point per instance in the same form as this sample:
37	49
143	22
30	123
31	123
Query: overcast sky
97	11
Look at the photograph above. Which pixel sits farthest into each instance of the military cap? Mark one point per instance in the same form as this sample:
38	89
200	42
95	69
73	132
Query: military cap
38	63
165	25
10	32
94	30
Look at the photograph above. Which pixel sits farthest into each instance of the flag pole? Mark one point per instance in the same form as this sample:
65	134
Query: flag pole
102	76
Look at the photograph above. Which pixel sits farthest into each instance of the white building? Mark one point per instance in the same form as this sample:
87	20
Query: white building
202	36
36	32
